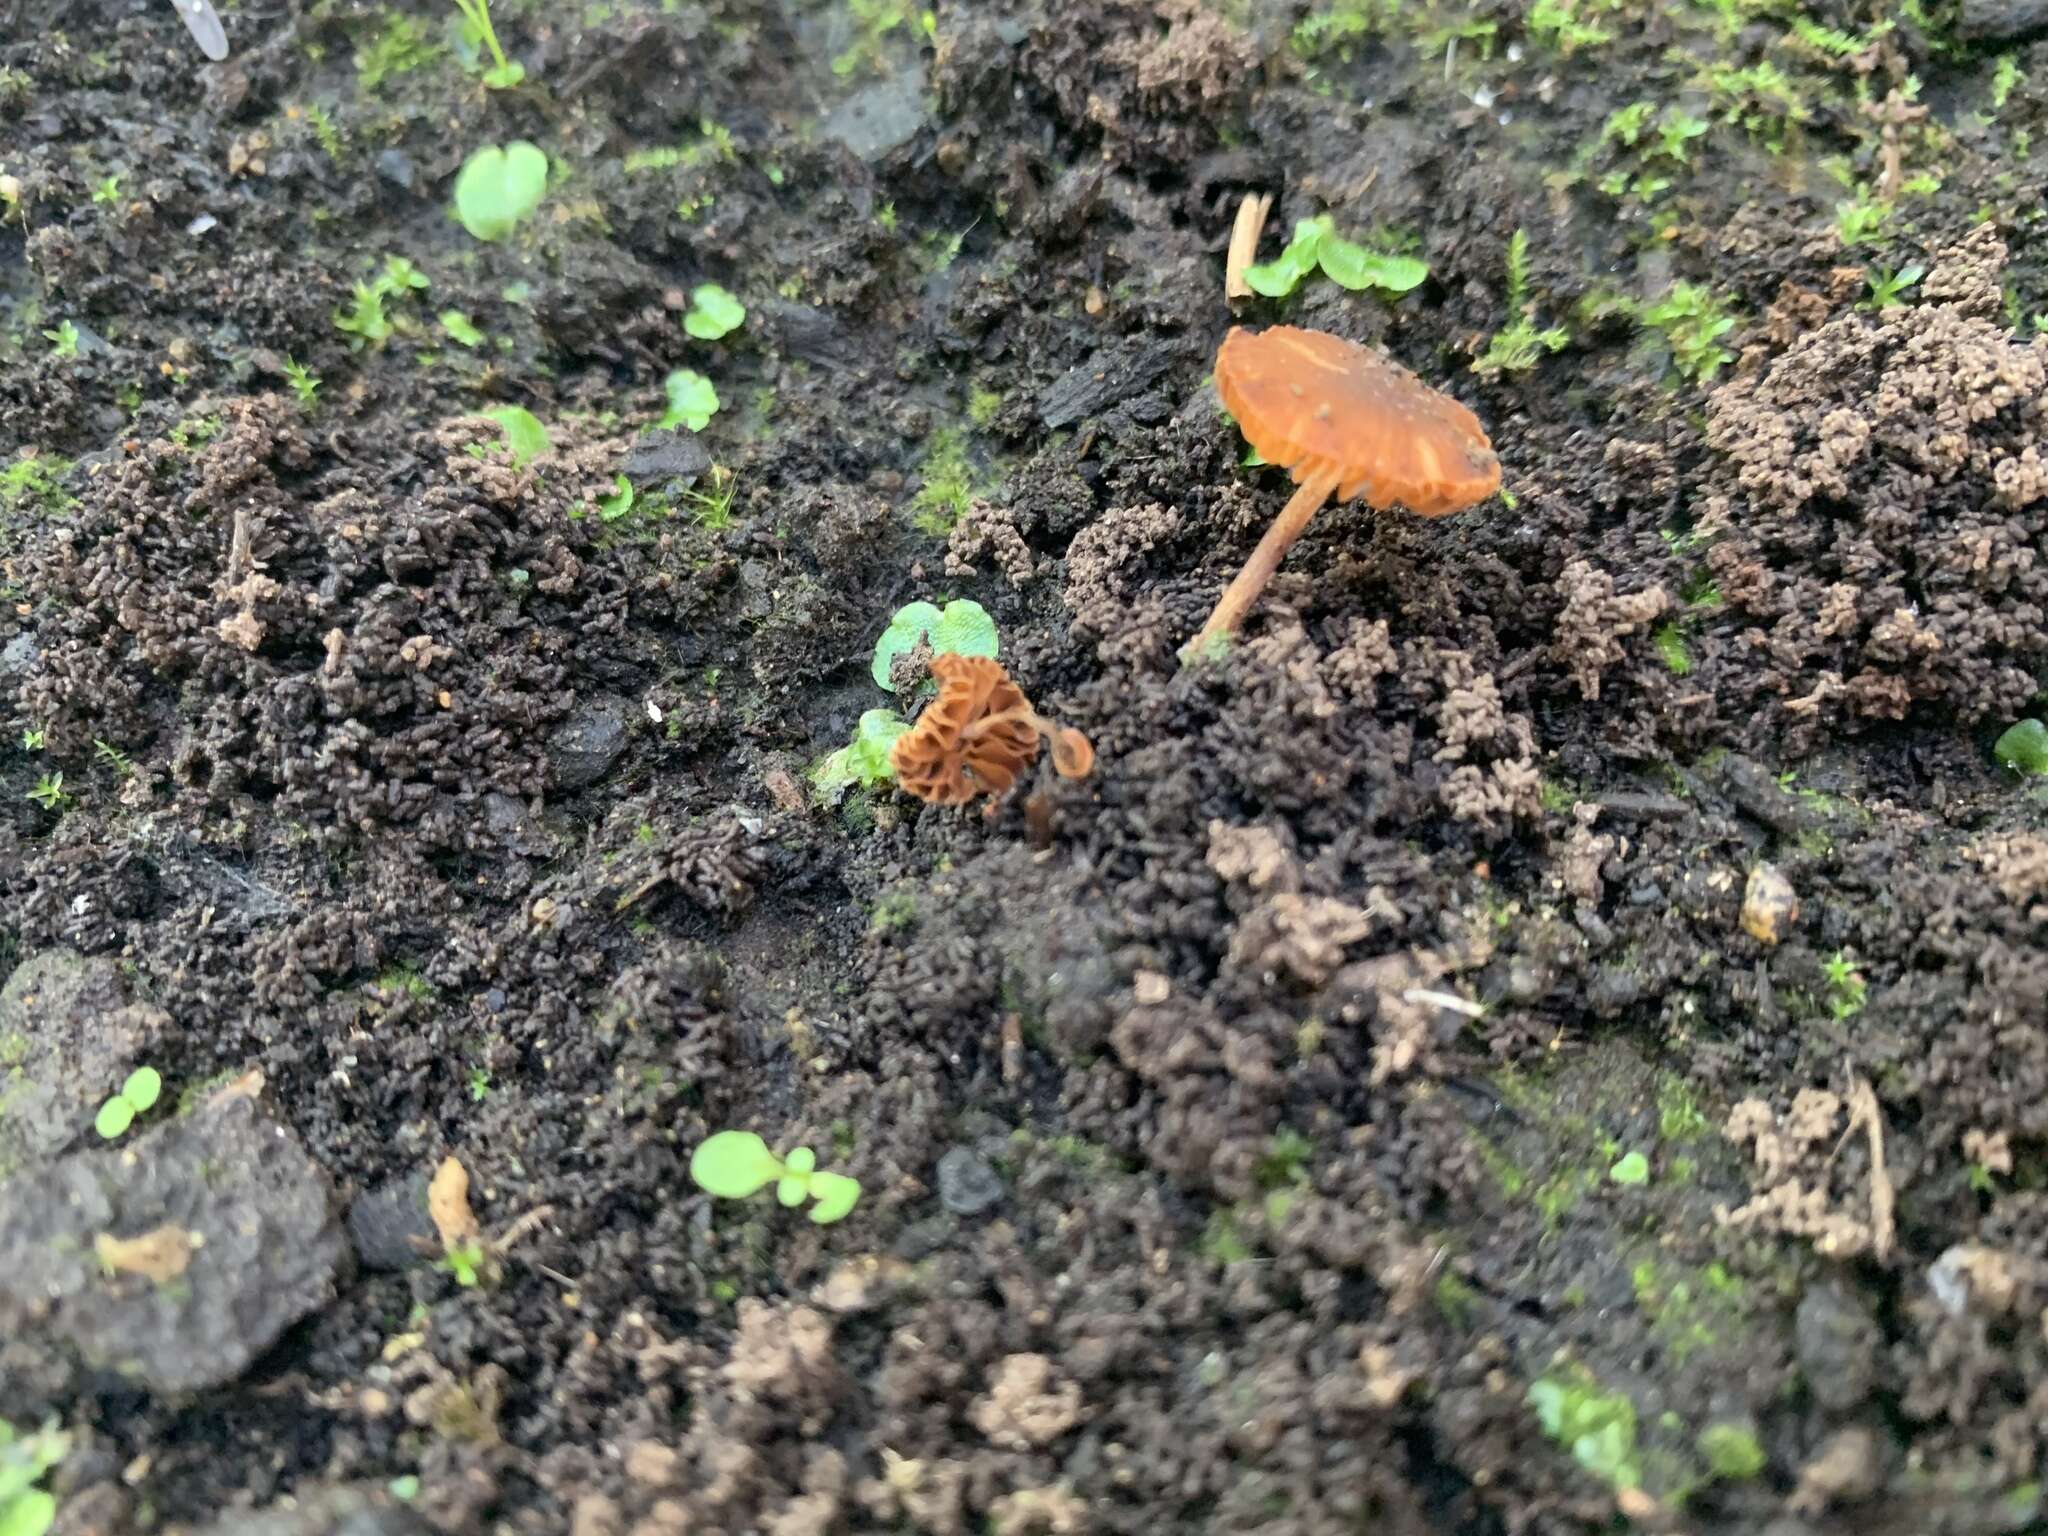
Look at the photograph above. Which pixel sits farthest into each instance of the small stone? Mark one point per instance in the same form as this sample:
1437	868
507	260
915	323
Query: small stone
1837	1342
1769	904
968	1184
395	166
68	1038
586	745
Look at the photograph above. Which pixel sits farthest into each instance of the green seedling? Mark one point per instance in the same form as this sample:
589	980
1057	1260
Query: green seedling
1847	990
1597	1427
620	503
1887	288
961	628
2023	747
1693	323
736	1164
1861	220
1316	243
25	1509
365	319
32	739
2006	77
400	46
108	190
692	401
1731	1452
401	277
476	28
498	187
1517	347
304	382
713	312
63	340
49	792
524	434
862	762
460	329
137	1096
465	1261
1631	1168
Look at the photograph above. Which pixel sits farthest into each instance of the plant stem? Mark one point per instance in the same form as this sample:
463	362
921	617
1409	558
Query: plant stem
1245	587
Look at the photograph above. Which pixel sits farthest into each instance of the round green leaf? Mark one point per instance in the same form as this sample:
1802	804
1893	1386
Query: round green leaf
800	1160
713	312
965	629
791	1188
734	1165
115	1116
692	401
142	1088
499	186
835	1194
2024	747
30	1514
524	434
1356	267
1633	1168
911	621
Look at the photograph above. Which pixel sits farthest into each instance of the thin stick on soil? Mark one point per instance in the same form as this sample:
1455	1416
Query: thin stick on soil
1244	243
1247	584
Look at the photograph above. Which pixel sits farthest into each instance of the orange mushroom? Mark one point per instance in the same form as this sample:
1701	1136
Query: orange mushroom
1343	419
978	735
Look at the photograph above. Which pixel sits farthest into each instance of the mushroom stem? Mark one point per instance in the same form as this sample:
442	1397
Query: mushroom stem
1247	584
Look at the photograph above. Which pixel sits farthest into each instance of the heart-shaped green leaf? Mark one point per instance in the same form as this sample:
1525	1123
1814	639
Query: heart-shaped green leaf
498	186
835	1194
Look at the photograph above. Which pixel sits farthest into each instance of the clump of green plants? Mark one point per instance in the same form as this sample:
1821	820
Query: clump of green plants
713	312
36	478
1316	244
1888	288
2006	77
961	628
875	20
305	383
138	1095
498	187
1516	347
2023	747
477	29
467	1262
1596	1426
460	329
948	488
1731	1452
1668	641
736	1164
25	1509
366	318
1558	24
692	401
1340	27
400	46
1693	322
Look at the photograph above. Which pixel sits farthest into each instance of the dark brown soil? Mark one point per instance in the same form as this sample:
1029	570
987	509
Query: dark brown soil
1392	1094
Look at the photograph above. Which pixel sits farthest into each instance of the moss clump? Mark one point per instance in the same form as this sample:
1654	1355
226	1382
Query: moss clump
1598	1427
1731	1452
948	483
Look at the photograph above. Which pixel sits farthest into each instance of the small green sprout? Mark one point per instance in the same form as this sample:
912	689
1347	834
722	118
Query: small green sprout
113	757
25	1509
524	434
961	628
1316	243
712	509
864	761
692	401
32	739
1631	1168
713	312
1627	123
476	28
2006	77
304	381
108	190
735	1164
1597	1427
466	1262
1861	220
1847	990
460	329
479	1084
365	319
1518	346
1693	323
1675	130
1731	1452
1668	641
1557	23
401	276
49	792
1887	287
498	187
2023	748
620	503
63	340
137	1096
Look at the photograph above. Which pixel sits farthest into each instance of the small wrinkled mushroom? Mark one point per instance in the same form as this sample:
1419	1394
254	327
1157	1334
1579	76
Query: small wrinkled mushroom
978	735
1343	420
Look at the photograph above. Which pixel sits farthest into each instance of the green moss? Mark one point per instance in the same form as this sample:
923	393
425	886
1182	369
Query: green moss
948	487
1456	1300
1731	1452
1669	643
35	478
1678	1114
982	406
1596	1426
400	46
1692	1310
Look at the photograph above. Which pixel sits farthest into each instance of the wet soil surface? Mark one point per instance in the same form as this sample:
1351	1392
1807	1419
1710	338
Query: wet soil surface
1548	1032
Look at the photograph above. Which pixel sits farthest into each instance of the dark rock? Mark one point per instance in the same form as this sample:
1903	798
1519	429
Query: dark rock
883	117
395	166
349	1510
235	1186
1759	796
1112	374
1837	1341
663	456
68	1036
511	821
1997	21
968	1185
810	335
384	1222
587	744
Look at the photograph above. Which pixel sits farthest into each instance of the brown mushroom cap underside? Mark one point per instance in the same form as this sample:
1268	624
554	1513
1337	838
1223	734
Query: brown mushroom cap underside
944	758
1327	408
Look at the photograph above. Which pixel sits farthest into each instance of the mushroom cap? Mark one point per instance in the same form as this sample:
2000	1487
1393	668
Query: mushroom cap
943	758
1324	406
